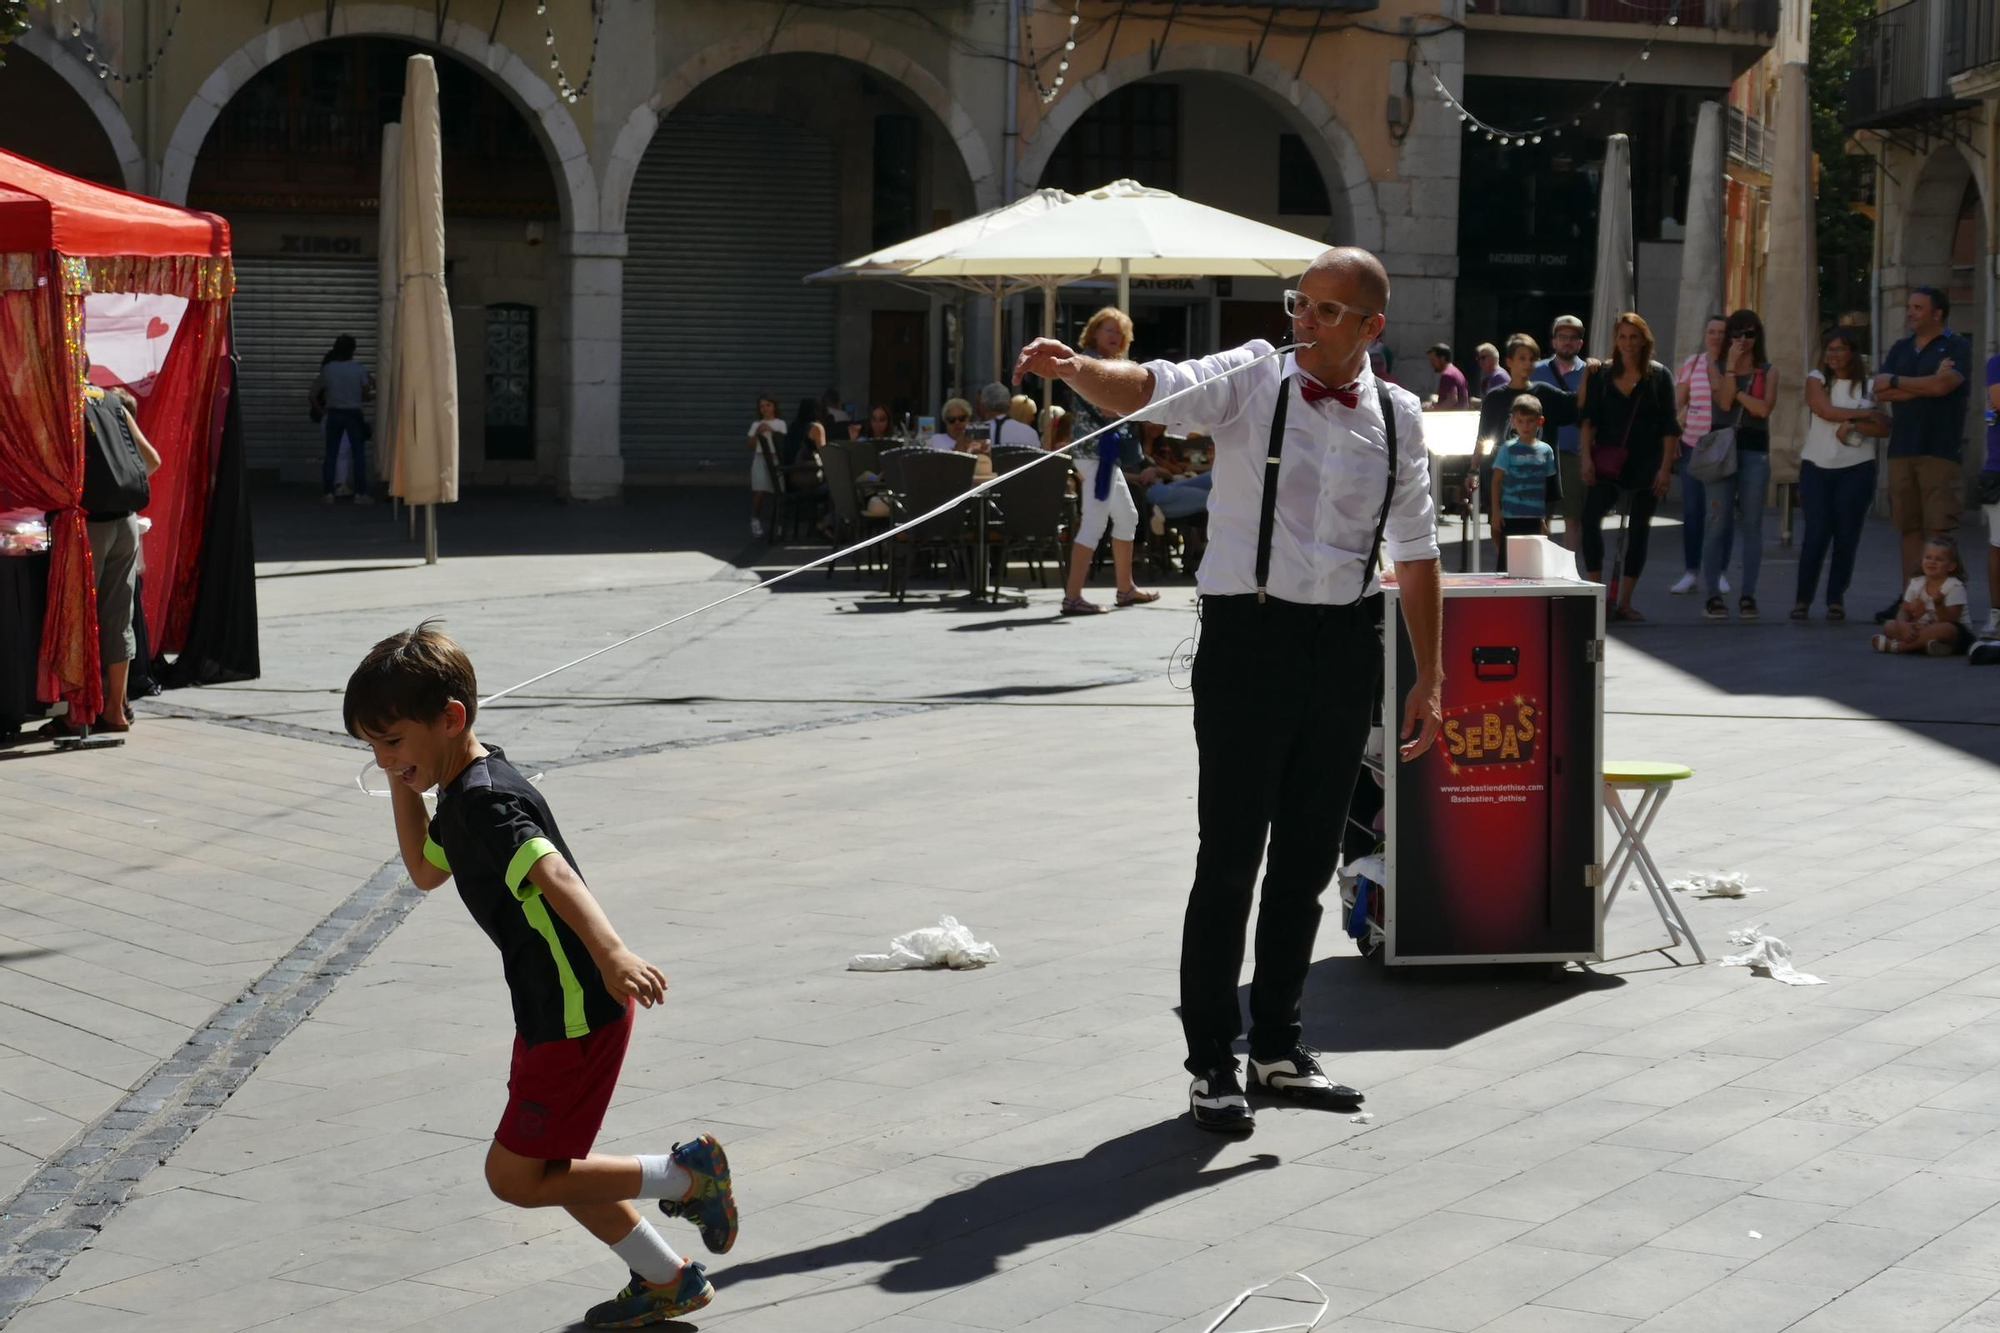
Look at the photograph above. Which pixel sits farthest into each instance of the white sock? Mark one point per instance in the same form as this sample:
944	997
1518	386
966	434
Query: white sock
660	1177
647	1255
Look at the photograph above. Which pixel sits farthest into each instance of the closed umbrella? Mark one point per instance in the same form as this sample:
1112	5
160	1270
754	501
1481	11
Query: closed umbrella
1614	293
1702	257
386	278
426	366
1791	278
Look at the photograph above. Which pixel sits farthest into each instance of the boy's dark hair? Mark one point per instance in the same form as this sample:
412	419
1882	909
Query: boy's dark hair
409	676
1441	349
1517	341
1527	403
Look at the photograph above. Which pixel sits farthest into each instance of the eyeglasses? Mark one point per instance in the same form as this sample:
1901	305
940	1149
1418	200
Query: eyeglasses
1326	312
955	420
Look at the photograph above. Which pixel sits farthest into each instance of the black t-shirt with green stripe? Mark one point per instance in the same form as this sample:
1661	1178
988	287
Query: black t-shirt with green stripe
490	828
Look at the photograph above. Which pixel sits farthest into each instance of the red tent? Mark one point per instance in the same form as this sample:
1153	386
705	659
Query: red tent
63	240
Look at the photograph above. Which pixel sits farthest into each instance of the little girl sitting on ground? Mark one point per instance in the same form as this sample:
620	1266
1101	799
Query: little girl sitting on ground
1932	617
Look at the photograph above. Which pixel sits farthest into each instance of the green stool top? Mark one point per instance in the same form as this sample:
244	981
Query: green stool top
1644	771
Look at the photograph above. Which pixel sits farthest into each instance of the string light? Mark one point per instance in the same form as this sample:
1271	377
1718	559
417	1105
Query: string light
565	89
102	68
1533	134
1050	91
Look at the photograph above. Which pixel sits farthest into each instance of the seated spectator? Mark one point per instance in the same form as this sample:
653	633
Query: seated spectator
1931	618
1055	428
1022	409
1181	497
996	410
956	415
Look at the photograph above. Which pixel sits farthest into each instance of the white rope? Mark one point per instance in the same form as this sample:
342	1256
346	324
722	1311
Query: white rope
1325	1302
865	543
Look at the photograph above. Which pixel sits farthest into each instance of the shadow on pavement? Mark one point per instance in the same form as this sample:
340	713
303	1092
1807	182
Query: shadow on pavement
1358	1004
960	1238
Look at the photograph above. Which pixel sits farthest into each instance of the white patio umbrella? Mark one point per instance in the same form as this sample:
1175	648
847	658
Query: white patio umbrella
1615	293
1132	231
893	263
387	240
1702	256
426	366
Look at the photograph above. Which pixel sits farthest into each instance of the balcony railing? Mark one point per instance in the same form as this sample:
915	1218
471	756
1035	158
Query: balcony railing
1730	15
1906	58
1749	141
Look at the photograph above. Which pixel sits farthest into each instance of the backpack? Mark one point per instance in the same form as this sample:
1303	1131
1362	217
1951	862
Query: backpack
114	475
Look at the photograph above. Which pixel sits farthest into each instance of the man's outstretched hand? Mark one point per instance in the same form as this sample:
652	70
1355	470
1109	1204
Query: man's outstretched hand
1047	358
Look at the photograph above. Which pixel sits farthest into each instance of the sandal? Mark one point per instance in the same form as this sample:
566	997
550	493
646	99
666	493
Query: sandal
1801	611
1628	615
1835	611
1746	607
1077	606
1716	609
1137	597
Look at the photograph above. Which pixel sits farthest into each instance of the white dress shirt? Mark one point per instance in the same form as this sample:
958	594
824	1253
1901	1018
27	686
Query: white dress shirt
1333	468
1010	432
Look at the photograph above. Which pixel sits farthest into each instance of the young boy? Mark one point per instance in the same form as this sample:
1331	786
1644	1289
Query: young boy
413	699
1522	467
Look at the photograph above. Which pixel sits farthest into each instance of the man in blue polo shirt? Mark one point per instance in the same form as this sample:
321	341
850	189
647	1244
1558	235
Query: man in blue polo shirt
1924	375
1565	370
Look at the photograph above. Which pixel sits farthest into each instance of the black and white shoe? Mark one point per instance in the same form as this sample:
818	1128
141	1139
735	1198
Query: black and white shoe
1218	1103
1296	1076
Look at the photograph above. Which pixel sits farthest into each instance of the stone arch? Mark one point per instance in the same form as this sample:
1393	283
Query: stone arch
807	38
110	116
569	159
1333	148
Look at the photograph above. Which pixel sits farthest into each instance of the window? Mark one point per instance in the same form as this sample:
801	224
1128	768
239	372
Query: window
898	141
1301	189
510	382
1134	133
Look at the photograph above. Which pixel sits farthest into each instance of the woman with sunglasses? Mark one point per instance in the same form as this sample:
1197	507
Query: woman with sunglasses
1746	389
955	414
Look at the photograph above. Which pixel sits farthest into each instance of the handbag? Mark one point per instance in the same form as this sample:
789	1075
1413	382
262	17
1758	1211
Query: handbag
1609	459
114	475
1714	456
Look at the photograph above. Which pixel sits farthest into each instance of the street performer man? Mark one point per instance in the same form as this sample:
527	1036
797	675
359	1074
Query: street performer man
1316	461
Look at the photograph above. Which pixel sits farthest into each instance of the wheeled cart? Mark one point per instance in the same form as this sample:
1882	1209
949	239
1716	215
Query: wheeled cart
1489	847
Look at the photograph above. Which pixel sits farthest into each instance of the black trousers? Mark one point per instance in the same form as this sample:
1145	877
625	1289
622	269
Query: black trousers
1599	502
1283	696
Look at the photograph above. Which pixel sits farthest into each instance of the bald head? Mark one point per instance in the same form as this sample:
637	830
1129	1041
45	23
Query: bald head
1359	272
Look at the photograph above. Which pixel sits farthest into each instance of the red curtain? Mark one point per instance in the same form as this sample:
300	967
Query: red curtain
179	418
42	365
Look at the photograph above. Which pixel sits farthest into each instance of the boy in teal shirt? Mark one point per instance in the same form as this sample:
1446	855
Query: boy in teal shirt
1522	469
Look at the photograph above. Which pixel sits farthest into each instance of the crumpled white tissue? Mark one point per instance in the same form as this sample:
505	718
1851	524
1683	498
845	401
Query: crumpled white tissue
1716	884
1769	953
947	944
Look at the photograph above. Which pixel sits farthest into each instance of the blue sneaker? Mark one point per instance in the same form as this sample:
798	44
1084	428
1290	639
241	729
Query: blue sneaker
711	1204
641	1304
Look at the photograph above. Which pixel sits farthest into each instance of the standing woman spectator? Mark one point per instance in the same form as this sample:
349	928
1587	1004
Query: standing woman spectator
762	484
1107	499
1836	471
341	388
1629	444
1696	400
1746	388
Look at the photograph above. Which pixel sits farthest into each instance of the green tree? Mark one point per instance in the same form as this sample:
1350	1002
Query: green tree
1846	235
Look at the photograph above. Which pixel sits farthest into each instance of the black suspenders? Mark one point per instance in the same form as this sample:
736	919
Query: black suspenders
1268	515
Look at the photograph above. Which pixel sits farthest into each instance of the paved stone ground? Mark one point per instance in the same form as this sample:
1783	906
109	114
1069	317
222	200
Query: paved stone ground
1007	1149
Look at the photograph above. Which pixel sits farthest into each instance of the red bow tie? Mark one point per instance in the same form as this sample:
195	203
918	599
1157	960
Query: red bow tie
1316	392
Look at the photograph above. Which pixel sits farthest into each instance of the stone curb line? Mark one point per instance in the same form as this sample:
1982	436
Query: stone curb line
64	1205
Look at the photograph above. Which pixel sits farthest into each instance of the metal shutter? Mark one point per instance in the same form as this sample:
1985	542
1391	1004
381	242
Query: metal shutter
287	313
728	213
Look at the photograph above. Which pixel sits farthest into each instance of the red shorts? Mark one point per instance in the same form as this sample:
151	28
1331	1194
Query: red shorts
557	1092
